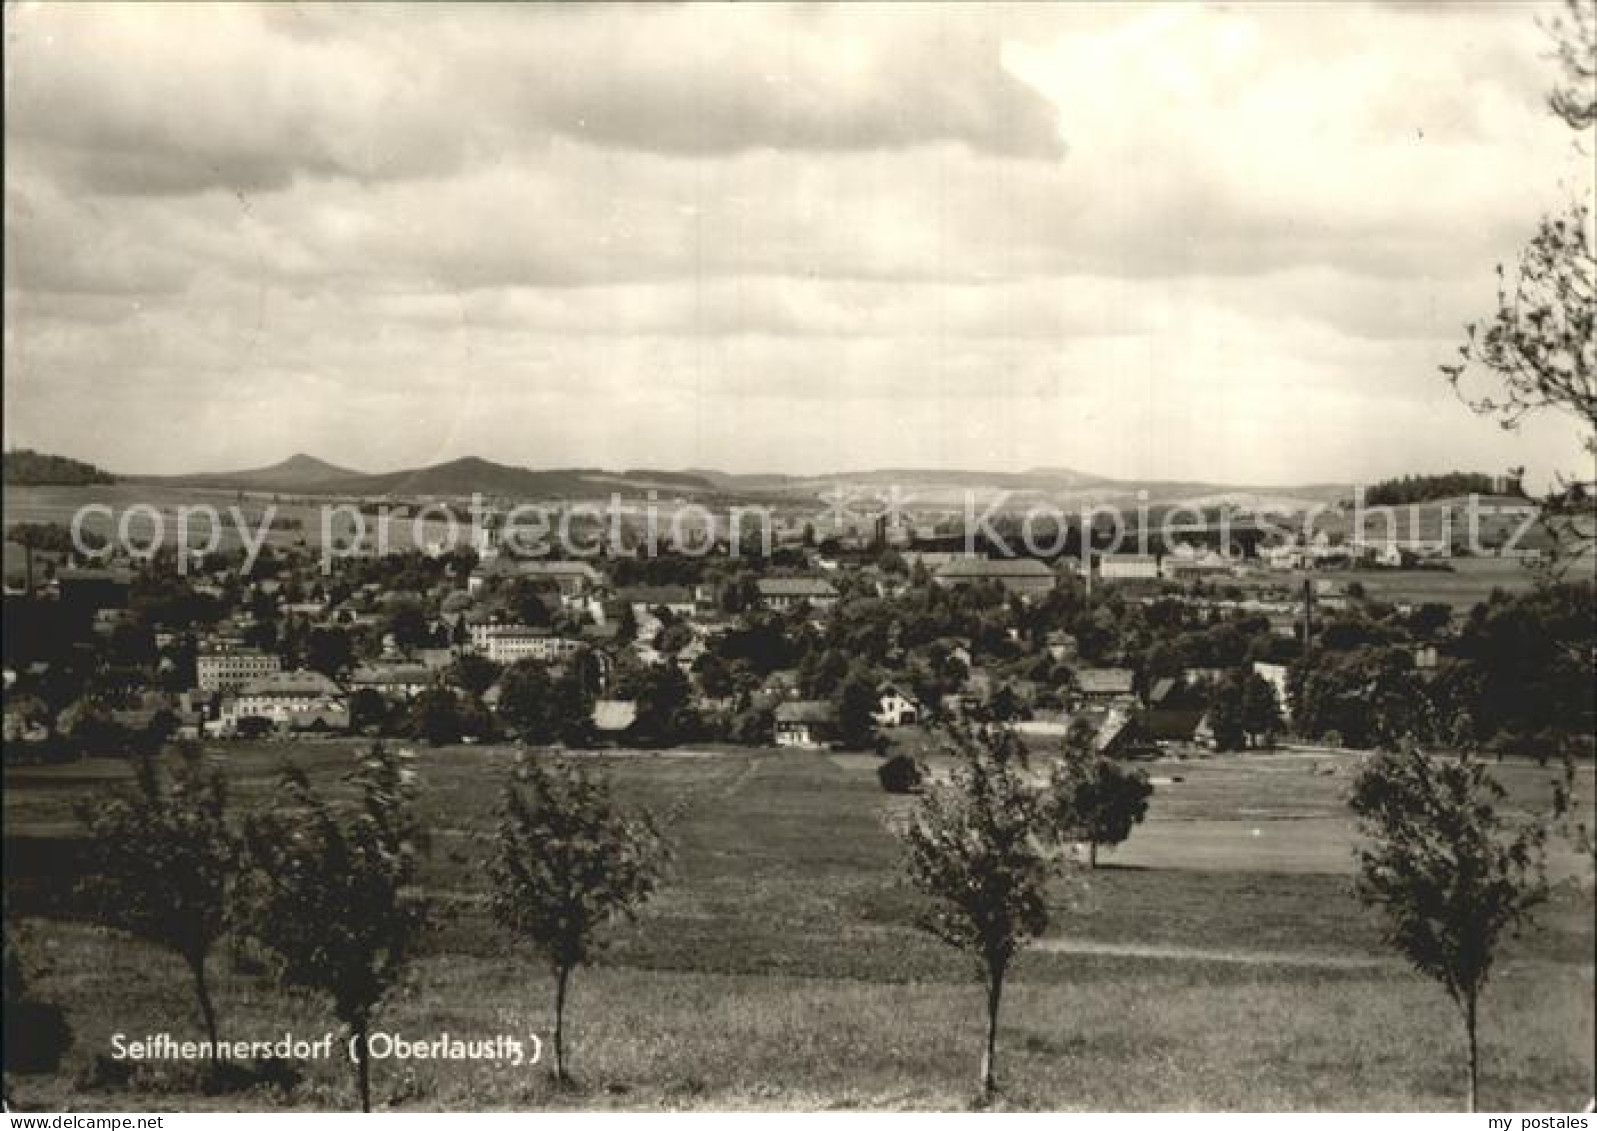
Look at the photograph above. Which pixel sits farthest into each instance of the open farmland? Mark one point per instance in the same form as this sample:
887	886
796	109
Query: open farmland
1218	961
1465	583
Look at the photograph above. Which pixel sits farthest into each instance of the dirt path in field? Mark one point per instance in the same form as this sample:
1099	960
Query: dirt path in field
716	789
1302	959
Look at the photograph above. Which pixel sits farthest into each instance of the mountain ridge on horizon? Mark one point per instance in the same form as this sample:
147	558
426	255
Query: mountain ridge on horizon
306	474
309	474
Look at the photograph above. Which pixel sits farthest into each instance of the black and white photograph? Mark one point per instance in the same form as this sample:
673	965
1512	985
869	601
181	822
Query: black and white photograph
811	558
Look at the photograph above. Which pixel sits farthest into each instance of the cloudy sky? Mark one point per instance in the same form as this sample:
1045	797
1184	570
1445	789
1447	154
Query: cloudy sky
1229	243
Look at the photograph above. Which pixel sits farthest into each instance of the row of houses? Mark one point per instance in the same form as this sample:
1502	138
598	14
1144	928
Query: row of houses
579	580
813	722
310	701
803	722
1396	536
1028	578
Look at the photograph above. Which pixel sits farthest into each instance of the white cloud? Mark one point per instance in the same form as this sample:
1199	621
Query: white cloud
179	98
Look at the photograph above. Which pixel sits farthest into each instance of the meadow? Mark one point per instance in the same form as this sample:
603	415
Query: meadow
1218	960
1463	585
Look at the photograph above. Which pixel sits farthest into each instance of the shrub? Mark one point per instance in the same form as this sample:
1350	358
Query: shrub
901	774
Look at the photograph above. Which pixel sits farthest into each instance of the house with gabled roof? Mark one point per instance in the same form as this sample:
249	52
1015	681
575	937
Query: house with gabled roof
1105	687
395	682
1117	732
297	700
896	706
1024	577
571	578
781	594
805	722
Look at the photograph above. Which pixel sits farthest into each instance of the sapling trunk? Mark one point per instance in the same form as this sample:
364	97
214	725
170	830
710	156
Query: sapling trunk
989	1060
363	1070
202	991
1470	1019
562	977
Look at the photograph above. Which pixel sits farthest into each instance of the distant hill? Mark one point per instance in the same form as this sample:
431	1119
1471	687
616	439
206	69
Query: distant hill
298	472
24	467
474	474
1038	478
689	479
302	468
303	474
1064	476
464	477
1066	487
909	478
753	481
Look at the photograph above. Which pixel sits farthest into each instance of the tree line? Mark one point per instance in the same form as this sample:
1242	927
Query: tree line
1428	488
322	886
324	890
1451	866
24	467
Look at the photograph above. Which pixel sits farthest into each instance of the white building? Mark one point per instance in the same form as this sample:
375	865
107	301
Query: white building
895	707
291	699
507	643
229	669
1187	561
1128	567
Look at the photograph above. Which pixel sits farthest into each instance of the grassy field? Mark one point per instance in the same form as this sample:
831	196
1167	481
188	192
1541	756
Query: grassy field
1465	584
1219	961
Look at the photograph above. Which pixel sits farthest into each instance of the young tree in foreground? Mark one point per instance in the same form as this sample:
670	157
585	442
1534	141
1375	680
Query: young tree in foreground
329	894
160	864
1450	869
569	861
974	847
